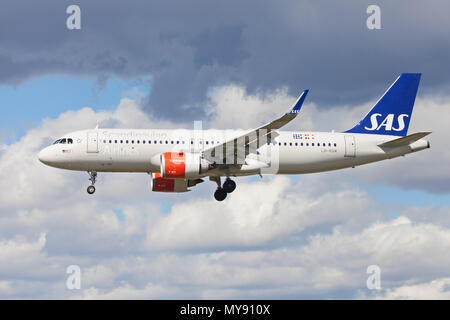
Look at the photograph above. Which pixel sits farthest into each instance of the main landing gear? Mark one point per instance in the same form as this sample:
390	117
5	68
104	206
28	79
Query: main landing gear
93	178
229	185
221	192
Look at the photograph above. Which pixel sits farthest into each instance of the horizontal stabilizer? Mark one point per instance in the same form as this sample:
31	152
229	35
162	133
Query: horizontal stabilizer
404	141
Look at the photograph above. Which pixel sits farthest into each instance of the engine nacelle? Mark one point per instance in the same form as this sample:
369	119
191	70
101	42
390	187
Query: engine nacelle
159	184
183	165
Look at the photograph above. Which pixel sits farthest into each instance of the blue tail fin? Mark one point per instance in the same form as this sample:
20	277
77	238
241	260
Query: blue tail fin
392	113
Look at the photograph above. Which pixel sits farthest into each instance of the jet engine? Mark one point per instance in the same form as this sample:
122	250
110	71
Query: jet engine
183	165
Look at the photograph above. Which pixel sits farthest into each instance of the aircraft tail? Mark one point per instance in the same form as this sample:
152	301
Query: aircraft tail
391	114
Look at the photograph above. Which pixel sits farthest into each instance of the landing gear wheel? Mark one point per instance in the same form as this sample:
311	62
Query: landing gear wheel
229	185
90	189
220	194
92	179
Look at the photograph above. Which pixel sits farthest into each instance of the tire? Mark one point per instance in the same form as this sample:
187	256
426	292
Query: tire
220	194
229	186
91	189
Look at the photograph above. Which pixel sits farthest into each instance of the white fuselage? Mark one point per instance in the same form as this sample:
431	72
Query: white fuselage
291	152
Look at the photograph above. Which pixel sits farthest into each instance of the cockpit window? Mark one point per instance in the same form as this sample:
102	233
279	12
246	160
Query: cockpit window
64	141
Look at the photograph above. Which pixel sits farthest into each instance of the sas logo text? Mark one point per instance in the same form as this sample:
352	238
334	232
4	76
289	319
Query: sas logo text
387	123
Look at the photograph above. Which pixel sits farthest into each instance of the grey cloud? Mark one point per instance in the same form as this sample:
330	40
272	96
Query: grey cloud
223	46
187	47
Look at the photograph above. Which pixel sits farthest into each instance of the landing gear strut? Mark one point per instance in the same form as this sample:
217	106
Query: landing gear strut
221	192
93	179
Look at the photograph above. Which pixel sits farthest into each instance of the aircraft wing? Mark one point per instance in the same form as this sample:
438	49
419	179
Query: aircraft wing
254	138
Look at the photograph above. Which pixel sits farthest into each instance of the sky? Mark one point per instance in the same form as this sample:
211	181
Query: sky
231	64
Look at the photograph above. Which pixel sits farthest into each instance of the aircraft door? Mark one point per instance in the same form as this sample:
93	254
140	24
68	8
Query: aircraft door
92	142
350	146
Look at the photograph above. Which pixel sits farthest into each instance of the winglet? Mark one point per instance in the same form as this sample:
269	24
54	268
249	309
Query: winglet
298	104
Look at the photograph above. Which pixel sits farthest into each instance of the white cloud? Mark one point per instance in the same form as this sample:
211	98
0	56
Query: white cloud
275	237
438	289
19	254
246	221
126	291
231	107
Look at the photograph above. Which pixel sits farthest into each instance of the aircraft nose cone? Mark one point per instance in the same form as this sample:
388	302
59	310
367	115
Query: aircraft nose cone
44	156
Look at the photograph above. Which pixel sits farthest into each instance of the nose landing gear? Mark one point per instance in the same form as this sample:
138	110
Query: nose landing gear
93	179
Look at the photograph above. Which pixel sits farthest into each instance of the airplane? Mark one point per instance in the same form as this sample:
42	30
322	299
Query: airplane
177	160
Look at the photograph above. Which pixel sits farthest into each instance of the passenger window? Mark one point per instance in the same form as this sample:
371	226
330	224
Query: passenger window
285	144
335	144
126	141
115	141
207	142
312	144
178	142
307	144
121	141
279	143
139	141
301	144
290	143
167	142
296	144
143	141
171	141
329	144
149	141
